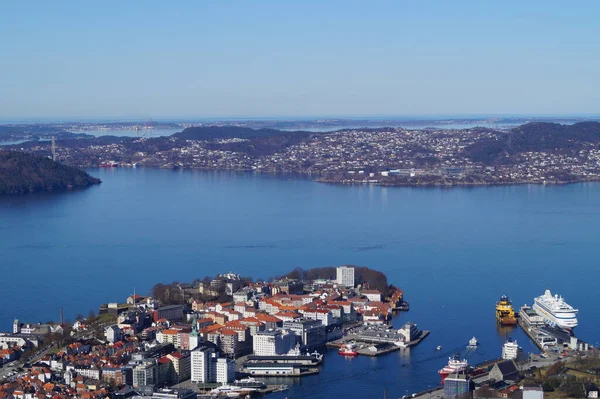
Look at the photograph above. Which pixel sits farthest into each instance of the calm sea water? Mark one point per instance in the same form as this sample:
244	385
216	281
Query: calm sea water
453	251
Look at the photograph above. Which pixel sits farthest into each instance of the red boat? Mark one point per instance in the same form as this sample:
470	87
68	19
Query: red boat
455	365
348	350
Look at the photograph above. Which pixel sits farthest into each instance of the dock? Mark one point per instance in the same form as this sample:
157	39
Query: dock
372	348
528	330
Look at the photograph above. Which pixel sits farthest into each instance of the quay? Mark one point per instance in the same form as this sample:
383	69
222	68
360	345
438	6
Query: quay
527	329
375	340
546	337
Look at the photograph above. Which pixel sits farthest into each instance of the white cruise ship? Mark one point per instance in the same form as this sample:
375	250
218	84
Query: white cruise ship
556	311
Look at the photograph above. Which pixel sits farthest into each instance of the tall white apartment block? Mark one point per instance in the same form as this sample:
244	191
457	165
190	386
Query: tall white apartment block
200	364
345	276
225	370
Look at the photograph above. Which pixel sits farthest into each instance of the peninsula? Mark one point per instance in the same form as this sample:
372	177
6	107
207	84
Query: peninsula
22	173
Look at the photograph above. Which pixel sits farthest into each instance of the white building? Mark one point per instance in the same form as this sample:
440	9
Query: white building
345	276
200	368
207	366
112	334
272	343
372	295
324	315
531	392
225	370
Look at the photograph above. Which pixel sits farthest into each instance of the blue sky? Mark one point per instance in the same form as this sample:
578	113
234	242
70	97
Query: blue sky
283	58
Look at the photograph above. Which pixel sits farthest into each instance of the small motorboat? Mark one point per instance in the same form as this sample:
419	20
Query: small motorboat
438	348
473	343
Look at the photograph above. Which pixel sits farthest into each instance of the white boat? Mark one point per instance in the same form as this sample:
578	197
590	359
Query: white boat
555	311
227	389
510	350
473	342
249	382
438	348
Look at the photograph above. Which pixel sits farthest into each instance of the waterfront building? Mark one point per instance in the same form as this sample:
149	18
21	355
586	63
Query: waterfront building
225	370
457	385
345	276
207	366
409	331
273	342
310	333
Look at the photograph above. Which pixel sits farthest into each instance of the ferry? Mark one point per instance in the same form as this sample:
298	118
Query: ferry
473	343
555	311
250	382
455	365
505	313
348	350
231	391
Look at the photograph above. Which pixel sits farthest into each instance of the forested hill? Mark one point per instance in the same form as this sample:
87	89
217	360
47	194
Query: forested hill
373	279
23	173
535	137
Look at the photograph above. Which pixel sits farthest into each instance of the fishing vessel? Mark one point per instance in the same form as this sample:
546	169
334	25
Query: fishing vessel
556	311
348	350
505	313
455	365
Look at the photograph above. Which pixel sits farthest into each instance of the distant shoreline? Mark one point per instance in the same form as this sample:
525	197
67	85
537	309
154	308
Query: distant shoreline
321	178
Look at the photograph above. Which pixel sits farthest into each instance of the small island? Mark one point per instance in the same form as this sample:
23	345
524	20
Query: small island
22	173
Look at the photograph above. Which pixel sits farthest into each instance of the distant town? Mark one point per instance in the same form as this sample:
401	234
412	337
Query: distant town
541	153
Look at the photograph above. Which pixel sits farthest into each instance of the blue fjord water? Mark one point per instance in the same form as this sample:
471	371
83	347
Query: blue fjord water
453	251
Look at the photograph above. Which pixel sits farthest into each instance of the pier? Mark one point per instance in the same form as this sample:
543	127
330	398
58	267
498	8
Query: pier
527	329
376	346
